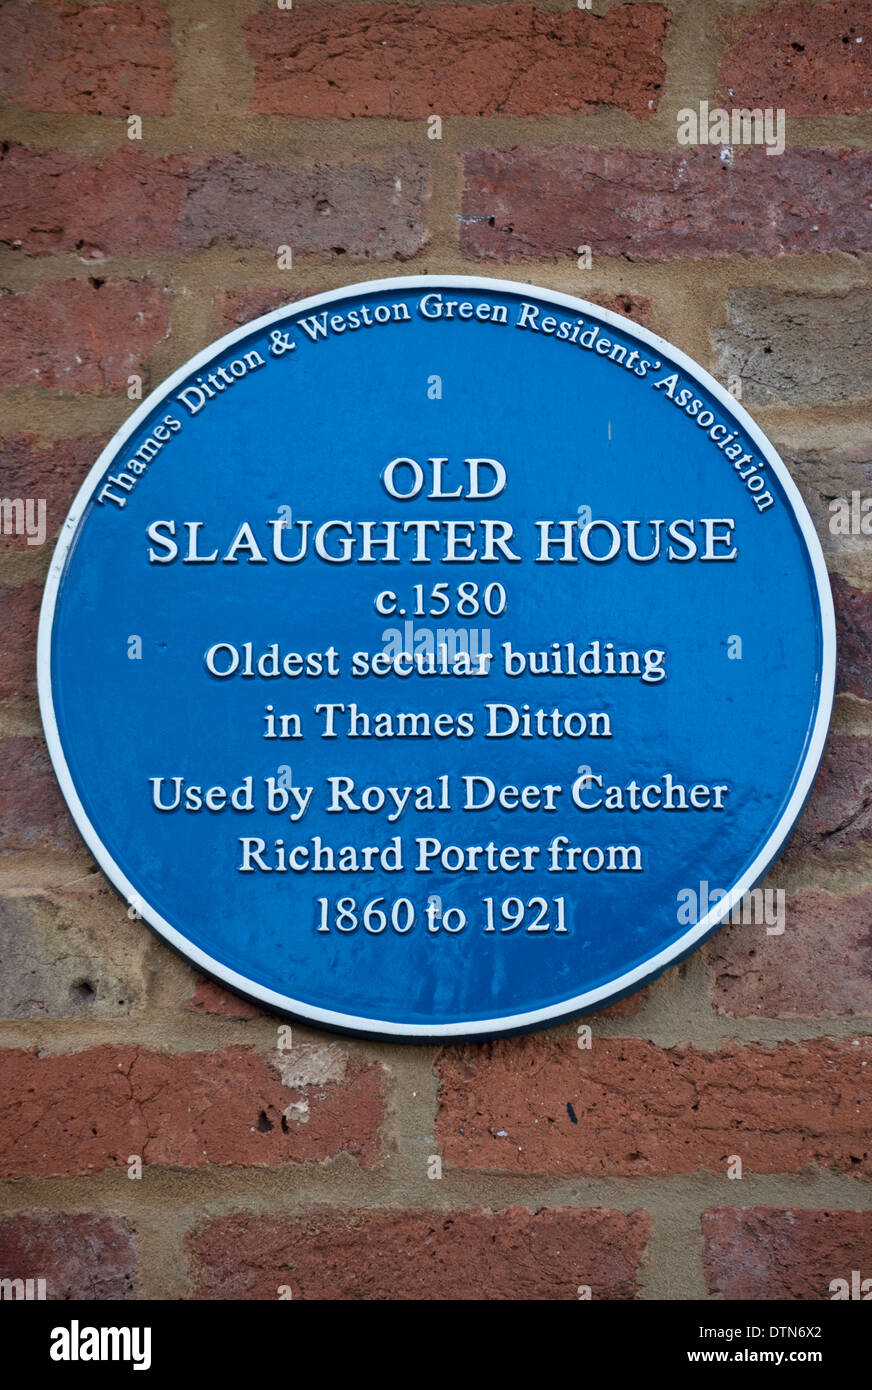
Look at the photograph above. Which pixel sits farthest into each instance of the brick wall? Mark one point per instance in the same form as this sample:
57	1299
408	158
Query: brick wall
312	1168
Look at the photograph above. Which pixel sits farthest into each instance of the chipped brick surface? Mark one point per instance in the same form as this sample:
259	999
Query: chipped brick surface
102	60
71	952
758	974
534	202
642	1110
85	1112
80	335
854	637
838	814
795	348
769	1253
406	61
811	59
210	998
132	203
401	1255
81	1255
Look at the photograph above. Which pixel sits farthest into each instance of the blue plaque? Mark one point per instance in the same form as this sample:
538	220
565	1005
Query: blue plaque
438	657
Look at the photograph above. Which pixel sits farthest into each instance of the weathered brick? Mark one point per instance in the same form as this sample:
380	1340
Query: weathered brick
535	202
130	204
825	475
101	60
363	210
854	638
84	1112
768	1253
821	964
628	1108
838	814
33	814
407	61
810	59
19	619
402	1255
71	953
52	472
81	1255
237	307
796	348
210	998
80	335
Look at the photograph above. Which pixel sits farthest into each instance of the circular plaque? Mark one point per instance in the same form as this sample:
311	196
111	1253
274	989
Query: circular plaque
437	657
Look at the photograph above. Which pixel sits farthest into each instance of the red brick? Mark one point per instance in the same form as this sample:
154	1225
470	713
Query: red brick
533	202
838	814
822	964
854	638
19	619
810	59
407	61
210	998
80	335
132	204
100	60
128	203
51	471
403	1255
237	307
84	1112
33	814
81	1255
767	1253
628	1108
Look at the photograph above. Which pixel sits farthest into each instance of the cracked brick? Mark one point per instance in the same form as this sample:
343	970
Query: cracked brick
643	1110
838	814
85	1112
348	60
101	60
